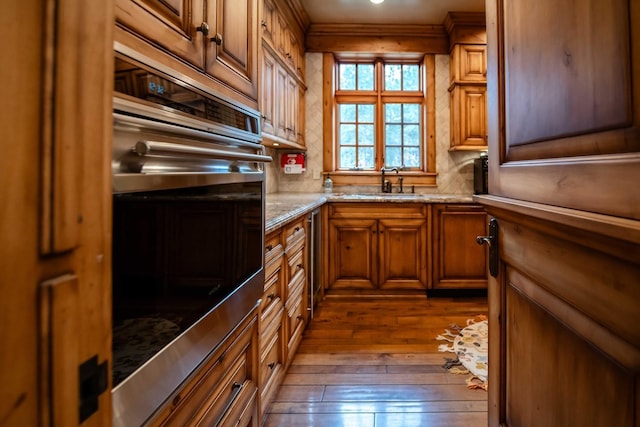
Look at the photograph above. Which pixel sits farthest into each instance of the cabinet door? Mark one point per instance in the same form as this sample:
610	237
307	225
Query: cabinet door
280	110
292	98
169	24
469	63
267	92
268	17
232	45
403	253
458	261
469	117
353	257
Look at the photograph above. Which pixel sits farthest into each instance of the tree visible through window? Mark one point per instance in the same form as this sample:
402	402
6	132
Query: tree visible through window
380	116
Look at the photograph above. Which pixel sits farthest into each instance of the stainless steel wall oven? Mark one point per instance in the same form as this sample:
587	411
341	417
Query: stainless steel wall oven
188	222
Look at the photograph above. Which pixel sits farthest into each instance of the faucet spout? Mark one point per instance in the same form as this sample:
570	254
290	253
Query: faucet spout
385	185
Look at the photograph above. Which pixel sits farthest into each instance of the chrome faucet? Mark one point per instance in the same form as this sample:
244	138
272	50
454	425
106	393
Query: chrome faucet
385	184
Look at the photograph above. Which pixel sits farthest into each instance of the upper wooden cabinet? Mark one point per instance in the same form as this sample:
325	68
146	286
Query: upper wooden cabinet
468	63
468	80
219	38
282	77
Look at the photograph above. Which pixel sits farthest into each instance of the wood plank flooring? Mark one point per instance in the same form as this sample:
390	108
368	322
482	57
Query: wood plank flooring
374	362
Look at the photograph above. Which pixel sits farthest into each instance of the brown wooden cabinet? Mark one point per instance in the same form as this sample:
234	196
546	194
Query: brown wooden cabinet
458	261
378	246
468	80
282	78
219	38
224	390
283	307
468	116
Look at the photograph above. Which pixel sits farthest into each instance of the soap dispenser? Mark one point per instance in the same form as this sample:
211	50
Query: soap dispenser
328	184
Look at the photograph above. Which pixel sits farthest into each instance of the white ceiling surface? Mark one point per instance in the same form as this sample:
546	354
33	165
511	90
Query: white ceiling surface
430	12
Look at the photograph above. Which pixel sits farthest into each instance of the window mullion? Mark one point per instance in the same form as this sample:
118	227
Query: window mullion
379	145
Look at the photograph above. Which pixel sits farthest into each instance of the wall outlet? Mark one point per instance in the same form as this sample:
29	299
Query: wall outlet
316	174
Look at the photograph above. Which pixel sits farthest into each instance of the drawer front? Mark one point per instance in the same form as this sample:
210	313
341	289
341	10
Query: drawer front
294	234
272	298
209	391
378	210
244	412
295	326
273	252
271	356
295	263
226	395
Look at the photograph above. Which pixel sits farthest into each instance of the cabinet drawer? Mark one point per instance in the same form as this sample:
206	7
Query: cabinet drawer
294	235
227	394
272	299
244	411
272	254
271	354
211	390
295	263
377	210
295	319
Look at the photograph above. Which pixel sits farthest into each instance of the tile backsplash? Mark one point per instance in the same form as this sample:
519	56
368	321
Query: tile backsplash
455	169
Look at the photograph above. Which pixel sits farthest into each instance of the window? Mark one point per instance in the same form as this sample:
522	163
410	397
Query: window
382	116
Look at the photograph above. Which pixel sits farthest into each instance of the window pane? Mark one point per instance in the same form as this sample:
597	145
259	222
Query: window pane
392	77
365	113
410	77
393	113
393	157
411	135
365	135
365	158
347	158
411	113
347	134
393	135
347	76
348	113
412	157
365	76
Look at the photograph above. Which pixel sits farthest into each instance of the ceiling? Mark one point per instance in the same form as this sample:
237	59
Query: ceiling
431	12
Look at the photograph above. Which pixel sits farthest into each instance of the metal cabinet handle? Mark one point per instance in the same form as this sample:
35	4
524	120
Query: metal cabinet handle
217	39
269	247
271	296
272	365
203	28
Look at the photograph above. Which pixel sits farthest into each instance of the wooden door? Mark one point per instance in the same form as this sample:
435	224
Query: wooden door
232	46
281	102
353	258
170	24
564	163
55	222
402	253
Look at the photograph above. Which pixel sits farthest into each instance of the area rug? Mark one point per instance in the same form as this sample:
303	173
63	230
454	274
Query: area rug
471	347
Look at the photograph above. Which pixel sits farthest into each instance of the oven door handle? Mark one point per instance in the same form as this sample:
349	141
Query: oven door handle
143	148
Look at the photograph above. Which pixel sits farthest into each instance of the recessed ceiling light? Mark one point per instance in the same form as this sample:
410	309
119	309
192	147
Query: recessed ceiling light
376	1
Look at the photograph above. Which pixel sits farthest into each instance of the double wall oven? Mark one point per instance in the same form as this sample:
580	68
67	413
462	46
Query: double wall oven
188	222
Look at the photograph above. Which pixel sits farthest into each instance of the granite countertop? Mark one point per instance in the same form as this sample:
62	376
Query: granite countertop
280	208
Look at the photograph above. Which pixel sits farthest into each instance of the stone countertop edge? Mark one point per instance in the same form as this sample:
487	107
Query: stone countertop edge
281	208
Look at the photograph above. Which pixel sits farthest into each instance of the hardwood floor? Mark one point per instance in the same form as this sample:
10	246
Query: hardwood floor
374	362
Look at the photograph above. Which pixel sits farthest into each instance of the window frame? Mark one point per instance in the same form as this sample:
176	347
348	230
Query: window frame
426	176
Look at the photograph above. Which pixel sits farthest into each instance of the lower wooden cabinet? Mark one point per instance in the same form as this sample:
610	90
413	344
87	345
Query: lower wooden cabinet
378	246
224	391
458	261
283	308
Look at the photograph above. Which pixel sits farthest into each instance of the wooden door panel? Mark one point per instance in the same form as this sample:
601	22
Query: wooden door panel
353	258
232	57
403	256
565	131
573	80
169	24
545	354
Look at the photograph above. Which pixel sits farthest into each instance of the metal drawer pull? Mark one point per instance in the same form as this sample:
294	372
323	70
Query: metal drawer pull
272	365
